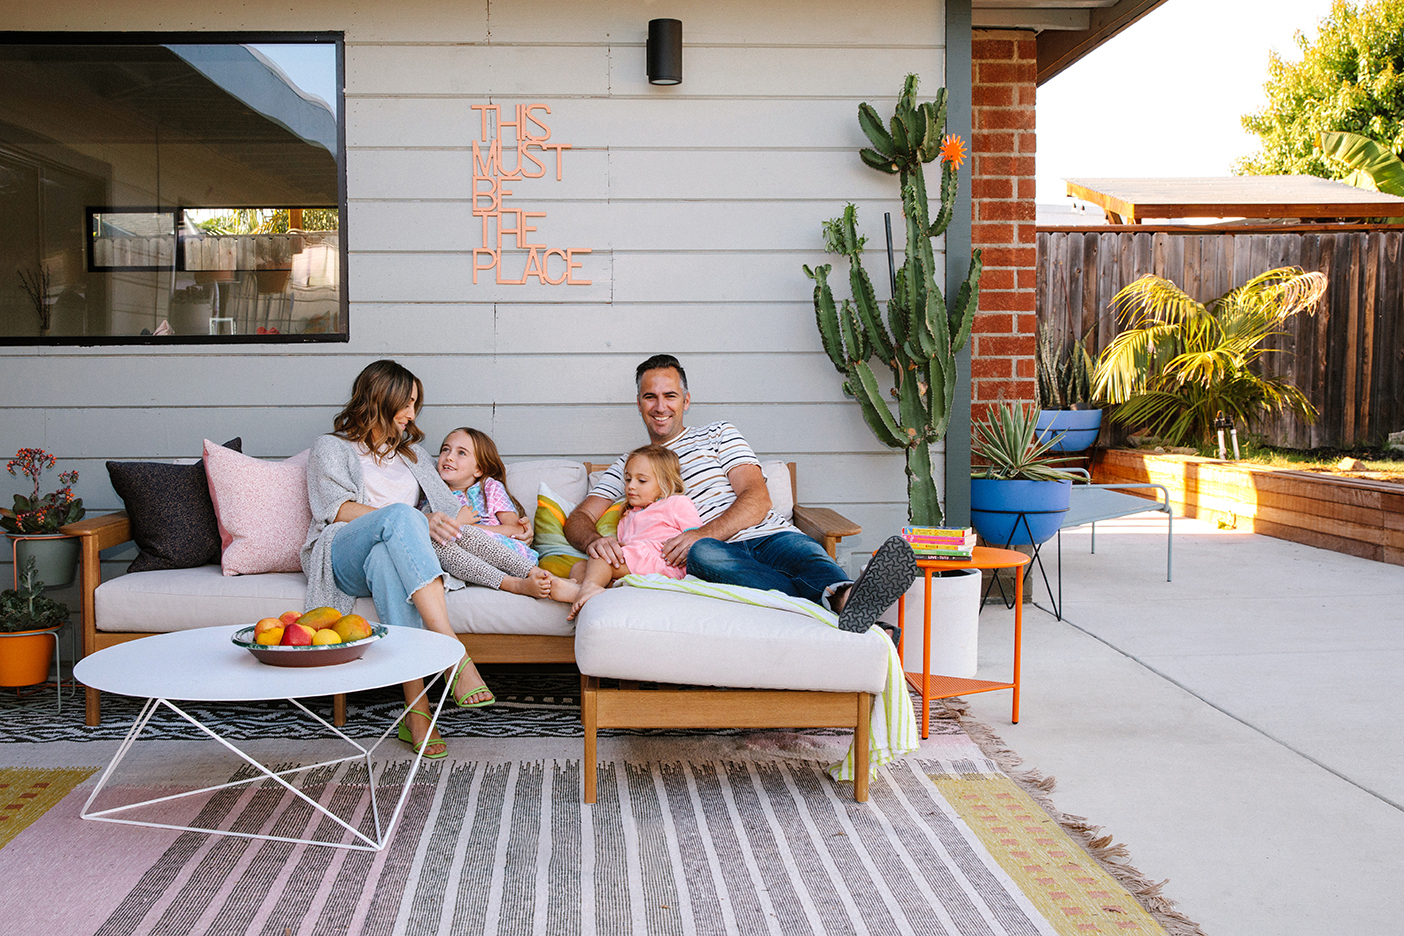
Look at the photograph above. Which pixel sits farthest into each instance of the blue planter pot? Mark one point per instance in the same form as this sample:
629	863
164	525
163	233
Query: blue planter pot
995	507
1078	427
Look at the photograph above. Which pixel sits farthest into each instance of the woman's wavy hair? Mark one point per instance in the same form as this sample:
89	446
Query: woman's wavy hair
489	461
368	418
666	467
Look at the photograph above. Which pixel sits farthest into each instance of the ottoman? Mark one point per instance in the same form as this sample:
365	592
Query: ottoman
720	664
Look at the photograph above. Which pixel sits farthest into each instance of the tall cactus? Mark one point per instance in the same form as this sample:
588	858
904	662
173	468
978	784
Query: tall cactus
922	334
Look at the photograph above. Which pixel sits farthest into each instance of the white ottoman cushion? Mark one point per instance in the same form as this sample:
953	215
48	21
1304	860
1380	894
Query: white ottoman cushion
634	633
181	599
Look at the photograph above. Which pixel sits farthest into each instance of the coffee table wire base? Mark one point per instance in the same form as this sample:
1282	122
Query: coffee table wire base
361	841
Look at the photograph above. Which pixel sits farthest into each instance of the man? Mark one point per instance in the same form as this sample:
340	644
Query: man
741	540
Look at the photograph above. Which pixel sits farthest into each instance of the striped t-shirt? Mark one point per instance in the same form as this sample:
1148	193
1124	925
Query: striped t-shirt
706	454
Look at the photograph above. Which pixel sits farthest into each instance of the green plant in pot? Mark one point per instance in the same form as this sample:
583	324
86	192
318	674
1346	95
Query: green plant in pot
1020	495
919	339
34	522
1179	362
1069	416
26	620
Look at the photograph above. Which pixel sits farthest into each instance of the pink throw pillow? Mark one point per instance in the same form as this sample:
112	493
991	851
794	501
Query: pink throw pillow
262	510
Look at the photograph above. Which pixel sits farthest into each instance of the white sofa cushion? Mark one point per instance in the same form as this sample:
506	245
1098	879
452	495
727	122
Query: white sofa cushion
181	599
634	633
565	477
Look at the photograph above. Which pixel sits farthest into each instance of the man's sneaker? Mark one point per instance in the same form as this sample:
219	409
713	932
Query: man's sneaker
887	577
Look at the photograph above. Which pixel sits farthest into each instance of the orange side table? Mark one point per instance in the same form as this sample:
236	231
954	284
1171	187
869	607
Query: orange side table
946	687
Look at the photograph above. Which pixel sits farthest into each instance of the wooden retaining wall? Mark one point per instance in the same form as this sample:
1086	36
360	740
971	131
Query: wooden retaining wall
1348	357
1360	518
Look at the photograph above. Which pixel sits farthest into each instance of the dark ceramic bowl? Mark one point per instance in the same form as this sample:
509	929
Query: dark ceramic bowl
329	655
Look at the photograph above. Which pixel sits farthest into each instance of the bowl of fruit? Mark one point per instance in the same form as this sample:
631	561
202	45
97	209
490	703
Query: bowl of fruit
320	637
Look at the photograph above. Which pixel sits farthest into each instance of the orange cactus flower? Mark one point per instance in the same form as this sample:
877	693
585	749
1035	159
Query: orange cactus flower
953	149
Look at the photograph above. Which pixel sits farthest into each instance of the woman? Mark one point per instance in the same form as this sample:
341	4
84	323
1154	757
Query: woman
368	539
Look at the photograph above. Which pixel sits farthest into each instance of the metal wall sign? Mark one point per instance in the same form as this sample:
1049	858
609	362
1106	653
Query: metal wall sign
508	248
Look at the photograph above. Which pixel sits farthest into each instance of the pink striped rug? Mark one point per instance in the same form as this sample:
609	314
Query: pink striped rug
688	836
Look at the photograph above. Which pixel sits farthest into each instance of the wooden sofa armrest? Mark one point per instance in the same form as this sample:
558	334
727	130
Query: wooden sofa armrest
106	531
96	534
825	525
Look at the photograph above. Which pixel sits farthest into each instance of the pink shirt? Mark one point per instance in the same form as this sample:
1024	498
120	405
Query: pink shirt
643	531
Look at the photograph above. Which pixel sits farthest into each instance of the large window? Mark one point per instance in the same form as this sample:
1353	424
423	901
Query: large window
161	188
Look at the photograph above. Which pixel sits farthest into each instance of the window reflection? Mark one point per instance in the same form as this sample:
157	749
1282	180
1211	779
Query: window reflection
190	190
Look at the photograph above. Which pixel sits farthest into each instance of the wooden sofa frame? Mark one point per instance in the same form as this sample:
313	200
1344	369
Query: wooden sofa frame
114	529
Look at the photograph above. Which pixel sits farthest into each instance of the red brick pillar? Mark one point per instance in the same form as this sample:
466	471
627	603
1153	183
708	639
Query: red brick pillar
1002	184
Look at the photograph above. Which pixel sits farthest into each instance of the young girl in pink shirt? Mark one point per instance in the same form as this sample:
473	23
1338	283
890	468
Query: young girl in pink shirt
656	511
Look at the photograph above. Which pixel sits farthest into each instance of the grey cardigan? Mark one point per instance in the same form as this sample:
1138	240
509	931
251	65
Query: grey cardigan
334	477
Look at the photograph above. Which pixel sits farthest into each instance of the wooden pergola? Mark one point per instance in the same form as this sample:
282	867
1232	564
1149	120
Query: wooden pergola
1131	201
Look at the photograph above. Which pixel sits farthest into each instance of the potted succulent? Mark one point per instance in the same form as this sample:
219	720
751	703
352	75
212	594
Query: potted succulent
1019	496
1069	417
33	525
27	621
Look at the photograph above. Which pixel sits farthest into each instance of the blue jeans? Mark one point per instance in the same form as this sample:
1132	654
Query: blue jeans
788	562
386	554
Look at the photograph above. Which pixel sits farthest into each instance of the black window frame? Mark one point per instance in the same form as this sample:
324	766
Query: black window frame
336	38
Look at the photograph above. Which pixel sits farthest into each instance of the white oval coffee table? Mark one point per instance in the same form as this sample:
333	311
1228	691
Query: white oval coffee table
203	665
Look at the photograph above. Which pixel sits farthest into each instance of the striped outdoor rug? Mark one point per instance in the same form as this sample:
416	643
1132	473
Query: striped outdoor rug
704	840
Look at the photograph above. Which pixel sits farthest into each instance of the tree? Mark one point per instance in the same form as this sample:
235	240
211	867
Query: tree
1179	363
1351	78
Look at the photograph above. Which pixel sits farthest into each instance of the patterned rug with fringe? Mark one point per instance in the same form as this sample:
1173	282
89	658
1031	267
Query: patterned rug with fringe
717	832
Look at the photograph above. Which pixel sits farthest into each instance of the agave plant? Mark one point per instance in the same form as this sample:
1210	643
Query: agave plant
1005	439
1179	363
921	336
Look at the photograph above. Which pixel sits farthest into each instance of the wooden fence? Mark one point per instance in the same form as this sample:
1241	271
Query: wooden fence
1348	358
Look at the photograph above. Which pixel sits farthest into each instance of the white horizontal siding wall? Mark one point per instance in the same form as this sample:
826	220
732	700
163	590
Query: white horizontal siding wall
700	203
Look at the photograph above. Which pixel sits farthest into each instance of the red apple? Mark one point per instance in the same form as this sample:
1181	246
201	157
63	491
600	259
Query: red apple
266	624
297	635
287	617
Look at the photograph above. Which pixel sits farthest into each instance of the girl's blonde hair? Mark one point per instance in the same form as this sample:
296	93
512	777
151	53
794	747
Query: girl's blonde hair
665	465
489	461
368	418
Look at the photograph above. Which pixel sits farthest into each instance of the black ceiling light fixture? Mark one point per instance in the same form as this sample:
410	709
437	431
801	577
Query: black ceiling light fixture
665	51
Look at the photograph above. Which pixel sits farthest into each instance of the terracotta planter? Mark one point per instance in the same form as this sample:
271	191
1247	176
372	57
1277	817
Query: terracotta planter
55	556
25	657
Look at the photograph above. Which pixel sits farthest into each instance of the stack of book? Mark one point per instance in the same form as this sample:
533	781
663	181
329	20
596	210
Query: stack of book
939	542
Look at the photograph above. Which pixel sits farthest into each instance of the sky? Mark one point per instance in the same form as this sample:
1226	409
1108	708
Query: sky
1164	97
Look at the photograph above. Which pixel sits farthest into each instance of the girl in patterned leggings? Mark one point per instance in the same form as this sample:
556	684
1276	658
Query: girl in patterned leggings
493	551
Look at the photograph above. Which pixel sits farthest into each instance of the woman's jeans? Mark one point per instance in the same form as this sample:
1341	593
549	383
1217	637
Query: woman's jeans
788	562
386	554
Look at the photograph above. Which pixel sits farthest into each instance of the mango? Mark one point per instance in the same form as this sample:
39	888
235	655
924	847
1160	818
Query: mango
352	627
325	636
319	618
271	637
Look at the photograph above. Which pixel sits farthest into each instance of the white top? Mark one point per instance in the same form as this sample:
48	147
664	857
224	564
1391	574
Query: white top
388	481
705	455
203	665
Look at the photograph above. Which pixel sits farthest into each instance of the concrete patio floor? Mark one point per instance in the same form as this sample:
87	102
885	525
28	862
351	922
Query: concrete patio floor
1238	729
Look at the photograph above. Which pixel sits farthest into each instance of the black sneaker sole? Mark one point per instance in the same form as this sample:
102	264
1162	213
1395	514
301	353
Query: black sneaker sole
888	576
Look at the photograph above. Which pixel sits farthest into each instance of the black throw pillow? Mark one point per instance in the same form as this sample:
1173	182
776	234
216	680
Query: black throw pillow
172	516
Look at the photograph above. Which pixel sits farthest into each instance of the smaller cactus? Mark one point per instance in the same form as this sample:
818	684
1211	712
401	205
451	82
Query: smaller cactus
920	335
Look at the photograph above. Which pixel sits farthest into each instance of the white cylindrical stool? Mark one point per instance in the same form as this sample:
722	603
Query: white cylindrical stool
955	623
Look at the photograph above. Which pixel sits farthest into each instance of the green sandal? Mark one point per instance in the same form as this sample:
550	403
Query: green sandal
458	700
408	738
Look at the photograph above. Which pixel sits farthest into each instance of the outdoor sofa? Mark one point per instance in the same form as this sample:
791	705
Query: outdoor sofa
628	642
